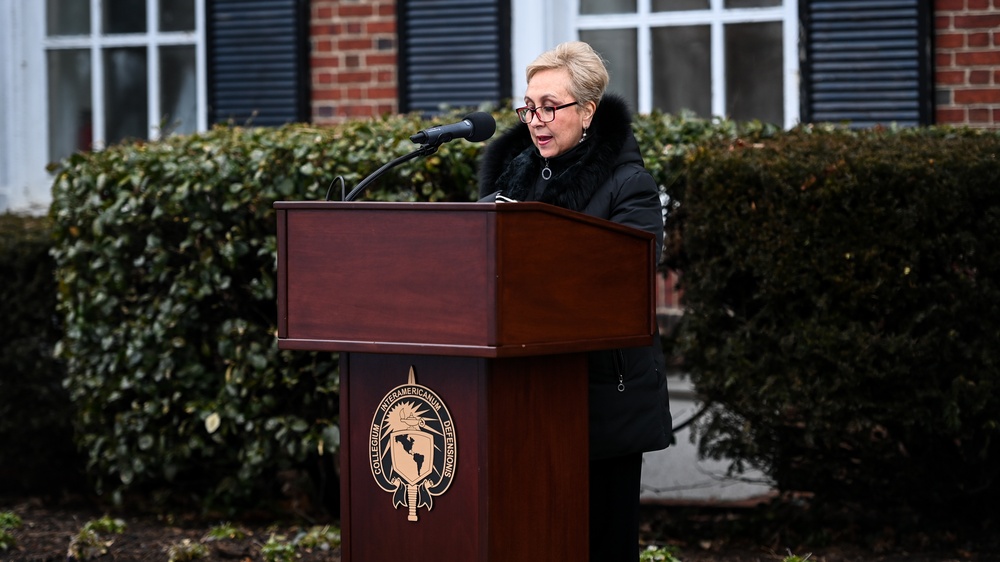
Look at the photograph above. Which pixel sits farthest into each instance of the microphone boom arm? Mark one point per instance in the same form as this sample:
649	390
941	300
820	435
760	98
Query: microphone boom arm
425	150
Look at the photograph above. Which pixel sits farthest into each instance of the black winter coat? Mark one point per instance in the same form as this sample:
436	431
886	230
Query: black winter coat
603	177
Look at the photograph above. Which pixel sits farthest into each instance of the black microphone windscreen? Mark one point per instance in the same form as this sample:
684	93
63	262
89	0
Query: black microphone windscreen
483	126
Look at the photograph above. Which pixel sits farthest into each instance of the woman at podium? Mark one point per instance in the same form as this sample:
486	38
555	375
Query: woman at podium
574	148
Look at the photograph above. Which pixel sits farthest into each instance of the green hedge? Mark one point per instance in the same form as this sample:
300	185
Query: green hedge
842	311
37	455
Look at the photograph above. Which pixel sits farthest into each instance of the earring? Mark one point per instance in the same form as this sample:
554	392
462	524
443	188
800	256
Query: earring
584	137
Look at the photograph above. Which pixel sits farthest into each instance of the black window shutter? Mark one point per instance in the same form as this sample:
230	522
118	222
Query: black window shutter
868	62
453	53
258	64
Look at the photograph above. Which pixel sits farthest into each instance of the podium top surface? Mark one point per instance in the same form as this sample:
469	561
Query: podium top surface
464	279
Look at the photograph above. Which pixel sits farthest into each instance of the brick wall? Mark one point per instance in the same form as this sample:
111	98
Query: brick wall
353	59
967	62
668	302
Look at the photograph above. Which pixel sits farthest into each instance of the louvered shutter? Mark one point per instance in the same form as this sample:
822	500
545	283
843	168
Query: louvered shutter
258	61
867	62
453	53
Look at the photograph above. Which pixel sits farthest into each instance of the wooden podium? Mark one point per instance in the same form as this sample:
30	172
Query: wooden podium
463	330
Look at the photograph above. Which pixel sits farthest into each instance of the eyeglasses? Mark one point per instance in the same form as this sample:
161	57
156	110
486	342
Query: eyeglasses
544	114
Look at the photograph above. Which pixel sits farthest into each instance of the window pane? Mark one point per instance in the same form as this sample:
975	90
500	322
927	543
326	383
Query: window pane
70	125
677	5
682	69
125	94
618	47
67	17
124	16
754	72
588	7
752	3
177	90
176	15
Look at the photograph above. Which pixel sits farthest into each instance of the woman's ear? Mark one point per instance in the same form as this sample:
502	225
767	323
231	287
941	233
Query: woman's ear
589	108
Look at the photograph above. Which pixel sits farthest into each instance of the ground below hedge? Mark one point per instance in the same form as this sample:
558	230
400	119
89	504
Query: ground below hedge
701	533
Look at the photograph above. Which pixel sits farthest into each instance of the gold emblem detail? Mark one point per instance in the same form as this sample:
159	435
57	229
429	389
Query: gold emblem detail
413	449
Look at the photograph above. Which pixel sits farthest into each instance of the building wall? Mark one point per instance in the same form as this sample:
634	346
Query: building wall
355	54
353	60
967	62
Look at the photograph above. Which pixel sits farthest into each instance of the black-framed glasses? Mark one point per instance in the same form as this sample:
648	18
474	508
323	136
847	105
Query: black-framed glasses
545	114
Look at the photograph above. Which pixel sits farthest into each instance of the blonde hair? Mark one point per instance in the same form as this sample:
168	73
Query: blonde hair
587	74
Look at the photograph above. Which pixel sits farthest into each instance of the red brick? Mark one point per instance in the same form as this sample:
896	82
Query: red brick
949	40
949	116
986	21
950	77
948	5
381	59
979	115
364	44
978	5
355	111
322	46
977	96
382	93
381	26
996	77
319	62
327	95
359	77
666	288
978	58
354	10
944	60
979	77
318	29
978	39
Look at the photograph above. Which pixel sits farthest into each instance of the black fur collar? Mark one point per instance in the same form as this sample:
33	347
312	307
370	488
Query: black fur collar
512	165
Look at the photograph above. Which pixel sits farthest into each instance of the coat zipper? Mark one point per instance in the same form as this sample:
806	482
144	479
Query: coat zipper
619	368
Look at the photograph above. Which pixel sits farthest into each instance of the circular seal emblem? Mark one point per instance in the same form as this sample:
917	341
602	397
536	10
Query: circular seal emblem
413	449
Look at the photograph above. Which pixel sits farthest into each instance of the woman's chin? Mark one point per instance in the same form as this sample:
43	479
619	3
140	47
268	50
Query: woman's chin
548	150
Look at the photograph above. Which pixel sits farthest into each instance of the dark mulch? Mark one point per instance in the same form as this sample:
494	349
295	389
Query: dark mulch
773	531
699	533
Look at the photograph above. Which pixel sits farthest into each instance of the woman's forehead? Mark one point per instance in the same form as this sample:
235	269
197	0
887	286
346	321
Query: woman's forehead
548	84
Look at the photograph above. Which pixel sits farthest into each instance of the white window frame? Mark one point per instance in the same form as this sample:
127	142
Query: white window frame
540	26
25	184
151	40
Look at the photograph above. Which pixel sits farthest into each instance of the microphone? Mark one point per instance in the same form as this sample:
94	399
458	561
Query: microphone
476	127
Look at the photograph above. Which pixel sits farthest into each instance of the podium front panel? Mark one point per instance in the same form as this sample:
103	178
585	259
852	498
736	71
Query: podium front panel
520	486
394	275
